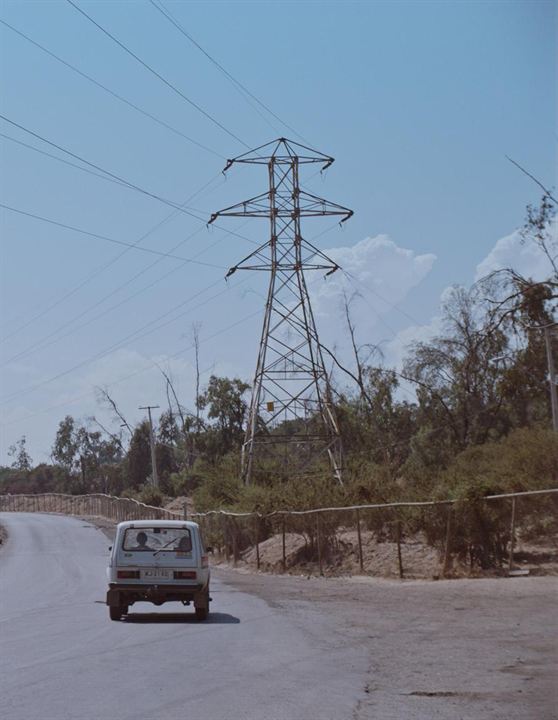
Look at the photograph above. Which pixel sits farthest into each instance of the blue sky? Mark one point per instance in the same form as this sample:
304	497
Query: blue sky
419	102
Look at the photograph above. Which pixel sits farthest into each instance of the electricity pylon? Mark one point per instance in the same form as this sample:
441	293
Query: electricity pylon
291	402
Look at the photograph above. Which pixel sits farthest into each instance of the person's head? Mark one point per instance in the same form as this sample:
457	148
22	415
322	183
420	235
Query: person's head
141	539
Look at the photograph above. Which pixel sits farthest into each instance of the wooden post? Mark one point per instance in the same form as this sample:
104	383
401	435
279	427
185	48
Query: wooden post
257	542
225	526
319	543
398	538
359	535
284	560
447	547
512	535
235	541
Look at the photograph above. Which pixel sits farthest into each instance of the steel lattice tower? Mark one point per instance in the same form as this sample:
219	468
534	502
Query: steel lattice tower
291	400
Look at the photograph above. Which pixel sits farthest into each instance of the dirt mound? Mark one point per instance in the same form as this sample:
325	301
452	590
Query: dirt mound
380	558
177	505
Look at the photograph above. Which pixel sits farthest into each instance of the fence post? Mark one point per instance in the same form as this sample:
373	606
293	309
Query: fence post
359	535
234	540
319	543
257	542
512	535
225	527
398	538
284	556
447	547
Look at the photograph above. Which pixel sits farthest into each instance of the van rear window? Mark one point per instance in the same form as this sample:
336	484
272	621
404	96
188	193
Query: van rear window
161	539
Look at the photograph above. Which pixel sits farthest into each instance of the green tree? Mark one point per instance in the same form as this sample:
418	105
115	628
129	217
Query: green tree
223	400
138	459
18	451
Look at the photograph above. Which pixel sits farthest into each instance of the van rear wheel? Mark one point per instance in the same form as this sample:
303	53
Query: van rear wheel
117	611
201	614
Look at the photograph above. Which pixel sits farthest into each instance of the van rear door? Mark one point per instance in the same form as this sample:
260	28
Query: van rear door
158	547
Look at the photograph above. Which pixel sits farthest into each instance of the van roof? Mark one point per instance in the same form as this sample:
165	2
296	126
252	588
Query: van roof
157	523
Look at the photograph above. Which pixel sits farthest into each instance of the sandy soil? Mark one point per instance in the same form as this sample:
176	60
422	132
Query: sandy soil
380	559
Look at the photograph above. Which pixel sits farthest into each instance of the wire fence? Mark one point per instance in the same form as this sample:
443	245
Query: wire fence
403	539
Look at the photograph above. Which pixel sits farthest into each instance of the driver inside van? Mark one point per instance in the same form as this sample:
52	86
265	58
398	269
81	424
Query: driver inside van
141	540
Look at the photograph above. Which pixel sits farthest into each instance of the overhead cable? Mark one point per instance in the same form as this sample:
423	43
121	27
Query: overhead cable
225	329
191	212
108	239
91	276
236	83
111	92
136	335
158	75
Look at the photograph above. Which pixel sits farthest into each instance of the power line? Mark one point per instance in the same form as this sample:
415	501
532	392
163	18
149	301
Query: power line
109	239
223	330
98	167
354	278
61	160
158	75
108	264
111	92
236	83
39	344
136	334
117	305
170	203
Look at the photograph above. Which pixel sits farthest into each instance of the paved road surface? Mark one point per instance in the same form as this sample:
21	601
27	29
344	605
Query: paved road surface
274	648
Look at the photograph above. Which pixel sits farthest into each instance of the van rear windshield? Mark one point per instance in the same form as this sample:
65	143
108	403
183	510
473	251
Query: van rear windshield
157	539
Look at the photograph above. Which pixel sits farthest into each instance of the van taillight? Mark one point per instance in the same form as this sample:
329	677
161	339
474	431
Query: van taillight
205	561
128	574
185	575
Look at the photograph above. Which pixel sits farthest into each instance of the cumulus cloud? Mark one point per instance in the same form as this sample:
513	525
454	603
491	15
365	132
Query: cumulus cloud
377	265
524	257
397	349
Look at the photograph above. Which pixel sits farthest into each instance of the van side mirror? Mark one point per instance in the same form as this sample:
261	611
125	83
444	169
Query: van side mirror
209	549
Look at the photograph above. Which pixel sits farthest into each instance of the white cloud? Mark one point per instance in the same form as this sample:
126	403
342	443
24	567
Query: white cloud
526	258
509	251
375	265
397	349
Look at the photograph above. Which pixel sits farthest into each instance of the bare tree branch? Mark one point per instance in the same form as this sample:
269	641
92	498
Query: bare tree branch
116	438
533	178
105	397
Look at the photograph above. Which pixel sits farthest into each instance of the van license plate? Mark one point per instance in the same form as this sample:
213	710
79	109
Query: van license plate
159	573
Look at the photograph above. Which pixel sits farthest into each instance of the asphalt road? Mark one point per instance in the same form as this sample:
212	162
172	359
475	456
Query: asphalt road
275	648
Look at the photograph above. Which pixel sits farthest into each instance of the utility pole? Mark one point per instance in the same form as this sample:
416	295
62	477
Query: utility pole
291	401
551	375
154	477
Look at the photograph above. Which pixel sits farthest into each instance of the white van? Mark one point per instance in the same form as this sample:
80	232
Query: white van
157	561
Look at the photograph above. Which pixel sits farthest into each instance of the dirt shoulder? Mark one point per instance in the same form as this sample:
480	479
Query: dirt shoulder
477	648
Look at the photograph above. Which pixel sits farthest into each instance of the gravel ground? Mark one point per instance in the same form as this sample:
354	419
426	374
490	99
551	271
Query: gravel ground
481	649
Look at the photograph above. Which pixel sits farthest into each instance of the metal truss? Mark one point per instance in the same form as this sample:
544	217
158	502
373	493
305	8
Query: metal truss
291	402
